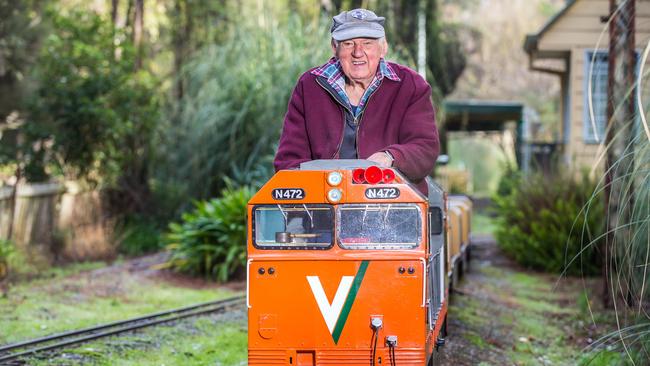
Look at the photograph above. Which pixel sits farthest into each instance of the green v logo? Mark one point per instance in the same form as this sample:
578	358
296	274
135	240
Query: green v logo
336	313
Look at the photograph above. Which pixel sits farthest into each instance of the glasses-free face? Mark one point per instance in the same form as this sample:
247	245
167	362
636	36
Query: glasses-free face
360	57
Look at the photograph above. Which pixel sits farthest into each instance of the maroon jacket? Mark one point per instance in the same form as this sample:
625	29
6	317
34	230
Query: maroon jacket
398	118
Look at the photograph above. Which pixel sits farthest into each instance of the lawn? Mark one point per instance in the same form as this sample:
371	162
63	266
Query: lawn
75	299
210	340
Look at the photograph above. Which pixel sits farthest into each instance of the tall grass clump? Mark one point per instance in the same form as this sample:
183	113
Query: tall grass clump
235	97
542	224
628	265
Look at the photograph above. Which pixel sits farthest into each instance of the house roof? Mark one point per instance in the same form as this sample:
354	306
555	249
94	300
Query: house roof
530	43
480	115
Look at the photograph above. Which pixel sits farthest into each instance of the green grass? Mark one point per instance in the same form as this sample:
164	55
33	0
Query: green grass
203	341
43	307
522	317
21	269
477	339
482	223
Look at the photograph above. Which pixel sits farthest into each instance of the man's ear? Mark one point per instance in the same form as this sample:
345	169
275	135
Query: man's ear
333	43
384	48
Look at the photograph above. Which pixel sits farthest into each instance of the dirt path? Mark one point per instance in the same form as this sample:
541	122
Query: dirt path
503	315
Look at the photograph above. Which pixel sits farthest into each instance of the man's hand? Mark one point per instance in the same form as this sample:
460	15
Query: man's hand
382	159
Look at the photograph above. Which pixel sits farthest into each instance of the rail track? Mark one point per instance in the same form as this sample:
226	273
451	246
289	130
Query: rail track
11	353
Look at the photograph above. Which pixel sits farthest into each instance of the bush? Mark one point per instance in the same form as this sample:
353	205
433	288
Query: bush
137	235
92	116
211	240
6	252
509	181
543	225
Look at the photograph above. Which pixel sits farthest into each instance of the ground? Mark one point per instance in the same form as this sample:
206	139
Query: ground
500	314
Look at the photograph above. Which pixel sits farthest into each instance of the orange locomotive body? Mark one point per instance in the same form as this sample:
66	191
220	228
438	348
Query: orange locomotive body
347	265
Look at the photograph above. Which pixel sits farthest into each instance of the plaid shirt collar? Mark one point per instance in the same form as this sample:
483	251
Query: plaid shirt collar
333	72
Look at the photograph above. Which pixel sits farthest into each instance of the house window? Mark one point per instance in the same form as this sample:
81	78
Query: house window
598	95
598	73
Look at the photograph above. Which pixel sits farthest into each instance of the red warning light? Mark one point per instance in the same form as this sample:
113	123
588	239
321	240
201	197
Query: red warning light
358	176
373	175
388	175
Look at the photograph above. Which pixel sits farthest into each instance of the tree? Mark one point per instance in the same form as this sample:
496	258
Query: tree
619	139
138	25
20	30
445	59
194	24
91	113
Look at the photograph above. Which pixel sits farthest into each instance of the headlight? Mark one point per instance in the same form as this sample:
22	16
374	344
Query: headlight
334	178
334	195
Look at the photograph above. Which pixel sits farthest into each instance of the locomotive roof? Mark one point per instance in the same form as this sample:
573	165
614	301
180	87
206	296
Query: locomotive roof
334	164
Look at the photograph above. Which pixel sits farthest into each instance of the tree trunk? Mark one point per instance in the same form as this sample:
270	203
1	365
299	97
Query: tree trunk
138	25
620	160
179	49
115	4
129	11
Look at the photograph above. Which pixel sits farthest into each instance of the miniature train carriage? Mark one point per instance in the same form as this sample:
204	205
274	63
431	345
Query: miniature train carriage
346	266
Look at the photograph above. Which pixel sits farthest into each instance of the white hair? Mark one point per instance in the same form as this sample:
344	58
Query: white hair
381	40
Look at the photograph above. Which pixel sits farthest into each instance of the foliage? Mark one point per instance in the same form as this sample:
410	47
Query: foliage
20	28
482	157
211	240
138	235
629	250
20	31
236	95
6	252
445	57
497	65
509	181
543	223
91	113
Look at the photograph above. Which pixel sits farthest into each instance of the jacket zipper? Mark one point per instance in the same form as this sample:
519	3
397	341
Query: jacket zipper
338	147
357	120
356	137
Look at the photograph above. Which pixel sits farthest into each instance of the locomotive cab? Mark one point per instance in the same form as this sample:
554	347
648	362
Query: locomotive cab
346	266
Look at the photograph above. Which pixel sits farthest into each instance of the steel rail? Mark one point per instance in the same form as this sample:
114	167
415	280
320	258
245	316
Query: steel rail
88	334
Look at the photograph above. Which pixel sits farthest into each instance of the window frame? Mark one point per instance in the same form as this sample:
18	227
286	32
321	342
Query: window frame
588	135
379	246
292	247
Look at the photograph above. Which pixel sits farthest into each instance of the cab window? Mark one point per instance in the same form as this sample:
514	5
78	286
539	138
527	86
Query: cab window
379	226
293	226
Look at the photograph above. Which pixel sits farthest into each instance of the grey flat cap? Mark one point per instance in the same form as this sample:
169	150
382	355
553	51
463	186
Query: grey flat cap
357	23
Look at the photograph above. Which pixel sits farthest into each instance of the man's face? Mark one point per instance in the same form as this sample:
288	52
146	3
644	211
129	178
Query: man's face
360	57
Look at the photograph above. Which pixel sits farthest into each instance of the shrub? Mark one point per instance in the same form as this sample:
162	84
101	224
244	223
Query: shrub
510	179
543	223
6	252
91	115
211	240
137	235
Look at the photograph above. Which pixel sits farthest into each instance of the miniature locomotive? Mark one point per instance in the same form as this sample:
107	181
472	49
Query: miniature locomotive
349	264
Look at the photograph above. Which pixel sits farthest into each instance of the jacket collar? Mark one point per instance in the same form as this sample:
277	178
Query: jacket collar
332	71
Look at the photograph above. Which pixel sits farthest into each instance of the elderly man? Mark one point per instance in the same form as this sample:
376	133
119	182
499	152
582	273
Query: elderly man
359	106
